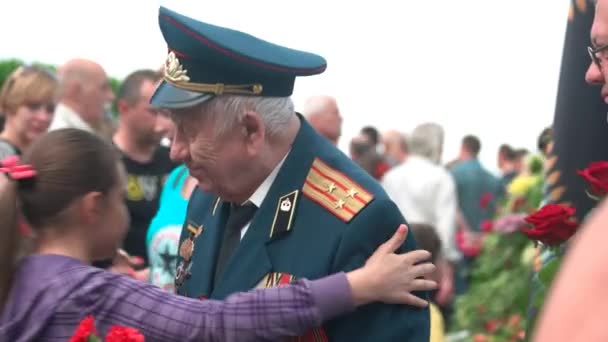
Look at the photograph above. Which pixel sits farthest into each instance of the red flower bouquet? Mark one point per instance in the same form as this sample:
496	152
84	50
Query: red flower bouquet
86	332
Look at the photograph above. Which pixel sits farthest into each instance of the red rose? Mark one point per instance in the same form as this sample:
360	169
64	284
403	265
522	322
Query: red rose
85	329
596	174
486	226
123	334
552	224
484	200
491	326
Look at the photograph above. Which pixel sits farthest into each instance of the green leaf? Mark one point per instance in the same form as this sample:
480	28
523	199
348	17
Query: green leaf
94	338
548	271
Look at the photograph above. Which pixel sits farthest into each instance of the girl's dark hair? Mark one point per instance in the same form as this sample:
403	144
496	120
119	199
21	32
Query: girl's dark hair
69	164
427	238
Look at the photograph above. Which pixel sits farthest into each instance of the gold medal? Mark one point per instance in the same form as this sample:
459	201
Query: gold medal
186	249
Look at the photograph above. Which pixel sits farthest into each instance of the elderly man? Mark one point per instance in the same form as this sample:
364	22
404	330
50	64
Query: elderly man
395	147
276	201
323	114
85	98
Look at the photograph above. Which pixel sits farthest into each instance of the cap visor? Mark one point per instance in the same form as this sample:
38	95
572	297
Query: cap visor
168	96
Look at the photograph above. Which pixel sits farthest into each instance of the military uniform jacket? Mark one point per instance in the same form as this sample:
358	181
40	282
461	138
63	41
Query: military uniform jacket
323	214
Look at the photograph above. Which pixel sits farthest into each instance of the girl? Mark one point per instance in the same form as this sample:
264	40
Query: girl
72	193
27	100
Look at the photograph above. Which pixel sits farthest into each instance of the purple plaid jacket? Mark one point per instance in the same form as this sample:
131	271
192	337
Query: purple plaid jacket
51	294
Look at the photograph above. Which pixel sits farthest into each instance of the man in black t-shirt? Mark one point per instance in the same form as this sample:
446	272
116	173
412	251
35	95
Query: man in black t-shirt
140	130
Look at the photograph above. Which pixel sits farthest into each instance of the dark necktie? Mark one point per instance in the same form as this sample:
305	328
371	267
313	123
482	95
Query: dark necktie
238	217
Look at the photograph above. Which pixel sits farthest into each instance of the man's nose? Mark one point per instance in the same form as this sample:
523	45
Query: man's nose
179	149
594	75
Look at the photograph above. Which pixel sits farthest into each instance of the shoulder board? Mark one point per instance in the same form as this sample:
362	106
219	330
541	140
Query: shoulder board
334	191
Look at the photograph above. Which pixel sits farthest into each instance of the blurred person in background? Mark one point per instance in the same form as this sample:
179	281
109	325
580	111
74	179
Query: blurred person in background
141	128
372	135
27	100
395	147
473	183
85	98
427	238
365	155
545	140
323	114
506	160
425	192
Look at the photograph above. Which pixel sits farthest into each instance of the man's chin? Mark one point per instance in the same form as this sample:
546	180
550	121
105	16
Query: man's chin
206	187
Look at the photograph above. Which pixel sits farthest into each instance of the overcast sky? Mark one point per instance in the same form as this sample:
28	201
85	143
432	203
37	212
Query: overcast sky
485	67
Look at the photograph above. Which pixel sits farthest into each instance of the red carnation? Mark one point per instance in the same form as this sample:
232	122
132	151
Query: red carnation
123	334
485	200
85	329
552	224
596	174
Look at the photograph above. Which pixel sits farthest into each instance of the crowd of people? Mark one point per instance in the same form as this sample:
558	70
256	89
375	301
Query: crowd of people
442	197
438	200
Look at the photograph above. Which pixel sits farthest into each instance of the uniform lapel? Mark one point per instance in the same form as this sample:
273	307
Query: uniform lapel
206	250
251	261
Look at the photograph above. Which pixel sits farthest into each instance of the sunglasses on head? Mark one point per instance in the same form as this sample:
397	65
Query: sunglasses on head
36	106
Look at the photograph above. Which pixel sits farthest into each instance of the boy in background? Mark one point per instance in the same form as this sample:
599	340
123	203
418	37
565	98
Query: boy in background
426	238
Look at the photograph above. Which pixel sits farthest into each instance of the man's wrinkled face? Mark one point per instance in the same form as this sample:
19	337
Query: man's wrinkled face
217	161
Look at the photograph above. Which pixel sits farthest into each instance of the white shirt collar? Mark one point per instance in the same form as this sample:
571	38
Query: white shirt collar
66	117
260	193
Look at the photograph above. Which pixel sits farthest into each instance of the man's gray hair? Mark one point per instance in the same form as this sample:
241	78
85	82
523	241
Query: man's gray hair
276	112
427	141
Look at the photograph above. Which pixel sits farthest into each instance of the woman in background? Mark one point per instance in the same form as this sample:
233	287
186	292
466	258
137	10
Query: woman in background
27	101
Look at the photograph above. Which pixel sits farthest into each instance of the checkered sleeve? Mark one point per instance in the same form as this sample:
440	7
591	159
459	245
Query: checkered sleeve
263	314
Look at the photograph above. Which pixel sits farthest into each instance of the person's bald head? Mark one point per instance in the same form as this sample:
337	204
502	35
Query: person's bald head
323	114
84	87
395	146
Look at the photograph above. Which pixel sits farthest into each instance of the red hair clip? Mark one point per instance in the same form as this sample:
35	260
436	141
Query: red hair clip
15	170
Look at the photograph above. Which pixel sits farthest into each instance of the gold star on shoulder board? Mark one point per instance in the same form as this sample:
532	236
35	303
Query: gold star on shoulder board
339	204
331	187
351	193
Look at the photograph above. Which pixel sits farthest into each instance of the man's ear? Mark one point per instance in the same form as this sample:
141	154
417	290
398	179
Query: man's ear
122	106
91	207
254	131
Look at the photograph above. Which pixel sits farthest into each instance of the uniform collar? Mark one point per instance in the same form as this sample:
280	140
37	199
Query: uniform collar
260	193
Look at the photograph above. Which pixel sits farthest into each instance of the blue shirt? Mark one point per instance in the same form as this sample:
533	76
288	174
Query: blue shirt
165	228
472	182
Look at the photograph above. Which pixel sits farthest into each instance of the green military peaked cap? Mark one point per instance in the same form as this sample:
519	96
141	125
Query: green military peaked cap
205	60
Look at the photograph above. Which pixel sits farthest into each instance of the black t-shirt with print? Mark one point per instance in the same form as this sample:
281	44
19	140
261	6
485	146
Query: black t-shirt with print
144	186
